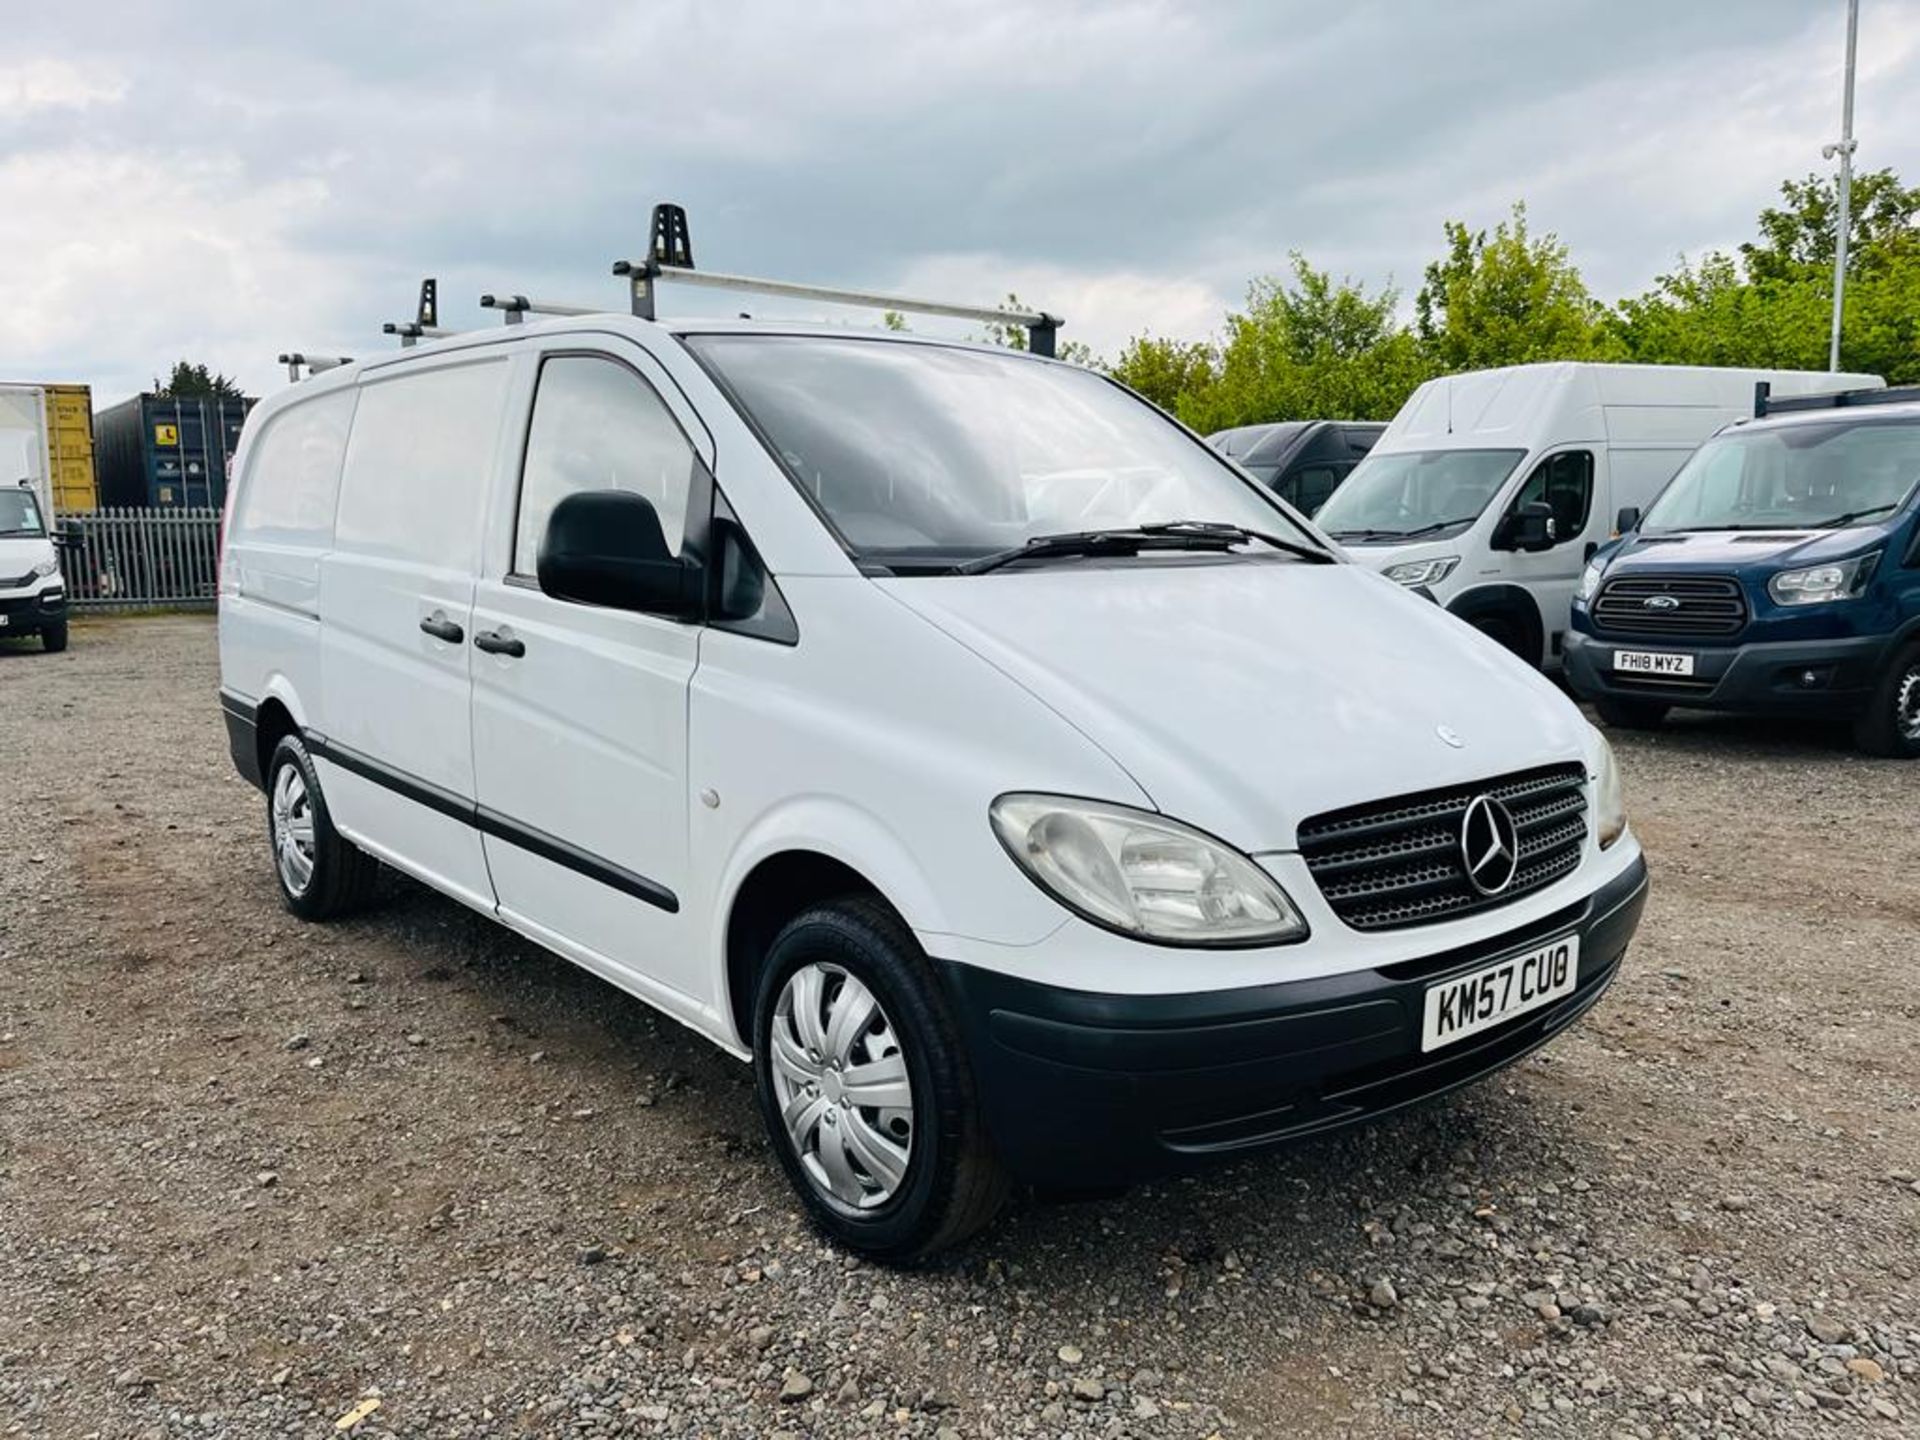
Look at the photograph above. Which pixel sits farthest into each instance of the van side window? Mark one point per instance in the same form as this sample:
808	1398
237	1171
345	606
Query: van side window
598	426
418	463
293	479
1314	486
1564	481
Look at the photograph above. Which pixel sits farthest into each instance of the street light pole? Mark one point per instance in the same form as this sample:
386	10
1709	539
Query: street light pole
1845	151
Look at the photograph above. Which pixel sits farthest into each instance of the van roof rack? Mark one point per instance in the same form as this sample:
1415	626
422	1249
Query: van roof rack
670	257
1764	403
425	324
314	364
518	307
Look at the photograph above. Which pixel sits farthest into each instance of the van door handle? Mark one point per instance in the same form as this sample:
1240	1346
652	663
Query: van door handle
441	628
494	643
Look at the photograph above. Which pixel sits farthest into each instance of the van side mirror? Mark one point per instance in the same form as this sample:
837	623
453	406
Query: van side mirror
606	547
1530	527
1628	517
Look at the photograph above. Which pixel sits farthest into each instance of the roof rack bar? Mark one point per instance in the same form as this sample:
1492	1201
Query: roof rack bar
1765	403
314	364
671	258
426	319
518	307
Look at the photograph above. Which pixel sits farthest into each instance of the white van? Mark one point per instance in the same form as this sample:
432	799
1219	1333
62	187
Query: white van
33	594
1490	491
1024	791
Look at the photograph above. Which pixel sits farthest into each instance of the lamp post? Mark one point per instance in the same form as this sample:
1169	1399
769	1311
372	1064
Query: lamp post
1844	149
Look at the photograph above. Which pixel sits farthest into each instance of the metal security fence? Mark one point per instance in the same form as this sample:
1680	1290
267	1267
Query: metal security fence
125	558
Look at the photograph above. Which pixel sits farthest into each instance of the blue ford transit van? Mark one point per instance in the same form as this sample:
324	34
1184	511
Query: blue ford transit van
1778	572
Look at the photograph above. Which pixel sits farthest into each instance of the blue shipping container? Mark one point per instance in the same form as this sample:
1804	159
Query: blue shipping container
167	453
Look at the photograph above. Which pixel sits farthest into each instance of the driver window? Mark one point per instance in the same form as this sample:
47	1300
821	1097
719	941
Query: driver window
1565	482
598	426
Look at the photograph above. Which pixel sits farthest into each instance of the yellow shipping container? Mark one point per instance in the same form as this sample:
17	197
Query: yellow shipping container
70	448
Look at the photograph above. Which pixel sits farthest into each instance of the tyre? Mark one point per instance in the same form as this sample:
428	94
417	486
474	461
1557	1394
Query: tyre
1631	714
54	636
865	1088
321	873
1890	725
1508	634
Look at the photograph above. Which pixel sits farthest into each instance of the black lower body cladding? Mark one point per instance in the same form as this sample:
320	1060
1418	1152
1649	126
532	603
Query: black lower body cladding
1083	1089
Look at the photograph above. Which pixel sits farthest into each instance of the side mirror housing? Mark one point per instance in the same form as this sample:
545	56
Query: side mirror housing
1531	527
1628	517
606	547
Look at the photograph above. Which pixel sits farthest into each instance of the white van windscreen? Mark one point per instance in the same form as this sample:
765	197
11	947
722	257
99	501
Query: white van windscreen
924	457
1416	493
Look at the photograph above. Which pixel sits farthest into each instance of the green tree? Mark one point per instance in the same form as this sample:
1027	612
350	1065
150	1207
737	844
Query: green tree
1508	297
1171	373
1883	227
190	381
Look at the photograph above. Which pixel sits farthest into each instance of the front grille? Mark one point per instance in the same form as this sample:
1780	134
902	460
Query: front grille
1704	605
15	582
1398	862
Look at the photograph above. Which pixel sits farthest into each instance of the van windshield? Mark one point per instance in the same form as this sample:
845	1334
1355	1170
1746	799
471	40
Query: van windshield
923	457
20	514
1803	476
1415	493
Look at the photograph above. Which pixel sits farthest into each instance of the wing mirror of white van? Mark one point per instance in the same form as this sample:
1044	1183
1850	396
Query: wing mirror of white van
1628	517
606	547
1531	527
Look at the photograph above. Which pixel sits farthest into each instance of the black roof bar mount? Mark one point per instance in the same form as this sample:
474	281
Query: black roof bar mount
670	257
313	364
1764	403
425	324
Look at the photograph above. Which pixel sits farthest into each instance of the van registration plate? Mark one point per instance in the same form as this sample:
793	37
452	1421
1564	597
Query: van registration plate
1652	662
1470	1003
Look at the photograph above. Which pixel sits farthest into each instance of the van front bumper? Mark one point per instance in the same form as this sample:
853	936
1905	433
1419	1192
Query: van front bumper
1084	1090
26	614
1797	677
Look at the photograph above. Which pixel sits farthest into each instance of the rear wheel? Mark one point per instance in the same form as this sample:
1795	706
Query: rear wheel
865	1087
321	873
53	635
1890	725
1631	714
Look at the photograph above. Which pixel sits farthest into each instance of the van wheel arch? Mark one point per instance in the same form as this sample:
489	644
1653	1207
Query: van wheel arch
1508	614
272	721
776	890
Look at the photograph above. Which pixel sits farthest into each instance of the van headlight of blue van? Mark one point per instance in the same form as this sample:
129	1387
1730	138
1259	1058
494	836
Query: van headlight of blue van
1590	580
1421	572
1144	875
1841	580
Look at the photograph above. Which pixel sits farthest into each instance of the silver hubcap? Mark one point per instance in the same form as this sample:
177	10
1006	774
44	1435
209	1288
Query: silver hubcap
293	830
1906	706
841	1080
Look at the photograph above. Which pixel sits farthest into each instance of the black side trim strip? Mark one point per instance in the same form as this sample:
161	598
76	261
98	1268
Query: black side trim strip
239	707
243	736
492	822
551	847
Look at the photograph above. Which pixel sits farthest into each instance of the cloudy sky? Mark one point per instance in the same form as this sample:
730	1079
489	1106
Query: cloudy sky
227	181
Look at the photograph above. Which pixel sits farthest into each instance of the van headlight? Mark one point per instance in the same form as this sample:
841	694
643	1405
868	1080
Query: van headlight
1612	796
46	567
1590	579
1143	875
1421	572
1818	583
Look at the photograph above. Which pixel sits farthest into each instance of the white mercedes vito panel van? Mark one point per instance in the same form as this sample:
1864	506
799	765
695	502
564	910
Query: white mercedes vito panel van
1026	793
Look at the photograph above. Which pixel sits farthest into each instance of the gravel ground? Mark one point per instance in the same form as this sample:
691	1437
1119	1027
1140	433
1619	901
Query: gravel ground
257	1176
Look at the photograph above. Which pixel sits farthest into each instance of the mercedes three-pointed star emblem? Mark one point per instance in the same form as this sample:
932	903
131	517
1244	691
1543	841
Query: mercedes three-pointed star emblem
1489	845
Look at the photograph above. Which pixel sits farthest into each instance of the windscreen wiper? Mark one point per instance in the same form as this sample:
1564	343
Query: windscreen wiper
1239	534
1852	515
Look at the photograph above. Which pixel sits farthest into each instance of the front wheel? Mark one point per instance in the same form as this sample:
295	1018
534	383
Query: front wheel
1890	725
1631	714
54	636
865	1087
